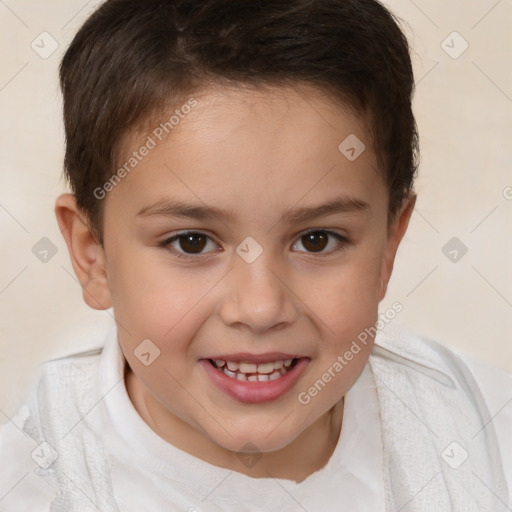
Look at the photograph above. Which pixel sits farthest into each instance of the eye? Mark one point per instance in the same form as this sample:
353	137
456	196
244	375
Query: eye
189	243
317	241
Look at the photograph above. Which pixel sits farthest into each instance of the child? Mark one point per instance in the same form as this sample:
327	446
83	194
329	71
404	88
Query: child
242	176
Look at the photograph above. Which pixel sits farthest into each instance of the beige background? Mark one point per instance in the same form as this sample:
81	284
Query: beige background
463	108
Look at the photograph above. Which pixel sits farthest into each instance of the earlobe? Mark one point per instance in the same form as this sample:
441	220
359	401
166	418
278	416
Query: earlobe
396	231
86	253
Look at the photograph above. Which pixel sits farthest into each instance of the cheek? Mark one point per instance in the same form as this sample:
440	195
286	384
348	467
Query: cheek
346	308
346	298
164	305
153	297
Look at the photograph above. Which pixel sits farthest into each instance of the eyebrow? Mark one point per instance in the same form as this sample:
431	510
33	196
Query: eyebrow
340	204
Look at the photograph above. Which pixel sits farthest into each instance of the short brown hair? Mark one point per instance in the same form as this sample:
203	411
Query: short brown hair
132	58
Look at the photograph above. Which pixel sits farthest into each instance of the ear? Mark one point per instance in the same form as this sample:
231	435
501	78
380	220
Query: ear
396	231
87	255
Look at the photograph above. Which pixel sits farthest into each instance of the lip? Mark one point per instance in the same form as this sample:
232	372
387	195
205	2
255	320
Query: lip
255	392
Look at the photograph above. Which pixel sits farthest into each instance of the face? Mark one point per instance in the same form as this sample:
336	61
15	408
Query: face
249	253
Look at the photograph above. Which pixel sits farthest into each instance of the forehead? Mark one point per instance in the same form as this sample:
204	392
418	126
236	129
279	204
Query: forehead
270	114
241	143
300	112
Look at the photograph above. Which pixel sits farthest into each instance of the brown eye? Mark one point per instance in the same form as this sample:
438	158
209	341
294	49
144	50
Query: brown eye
315	241
192	243
321	241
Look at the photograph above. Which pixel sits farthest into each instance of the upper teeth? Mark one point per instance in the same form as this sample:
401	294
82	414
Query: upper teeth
245	367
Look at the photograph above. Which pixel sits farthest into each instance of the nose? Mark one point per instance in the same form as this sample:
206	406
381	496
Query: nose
257	296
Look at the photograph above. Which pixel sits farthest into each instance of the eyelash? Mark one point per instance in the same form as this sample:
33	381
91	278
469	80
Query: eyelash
167	243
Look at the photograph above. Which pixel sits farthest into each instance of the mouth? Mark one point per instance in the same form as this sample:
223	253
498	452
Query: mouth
250	381
246	371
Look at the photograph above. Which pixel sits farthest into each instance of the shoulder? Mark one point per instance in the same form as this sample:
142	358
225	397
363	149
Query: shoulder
428	364
54	383
82	366
419	352
60	393
65	385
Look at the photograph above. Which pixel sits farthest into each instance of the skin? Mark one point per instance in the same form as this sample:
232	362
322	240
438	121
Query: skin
256	154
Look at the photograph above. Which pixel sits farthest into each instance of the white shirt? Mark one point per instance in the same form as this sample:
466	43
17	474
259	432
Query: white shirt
144	472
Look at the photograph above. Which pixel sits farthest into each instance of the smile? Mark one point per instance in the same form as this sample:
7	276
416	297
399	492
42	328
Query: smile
255	381
252	372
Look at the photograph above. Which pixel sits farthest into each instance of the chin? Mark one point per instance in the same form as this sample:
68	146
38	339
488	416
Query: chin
256	439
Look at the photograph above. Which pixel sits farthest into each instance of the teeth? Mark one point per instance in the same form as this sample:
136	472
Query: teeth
266	367
248	367
232	366
253	372
229	374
